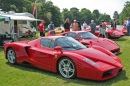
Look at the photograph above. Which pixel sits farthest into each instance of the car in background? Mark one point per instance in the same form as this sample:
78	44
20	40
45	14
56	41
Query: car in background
88	39
66	56
57	30
122	28
109	32
113	33
5	37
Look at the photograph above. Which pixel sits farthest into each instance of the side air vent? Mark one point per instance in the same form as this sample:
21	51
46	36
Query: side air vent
27	49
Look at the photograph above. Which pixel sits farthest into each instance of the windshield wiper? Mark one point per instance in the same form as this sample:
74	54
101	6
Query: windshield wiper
79	48
87	38
67	47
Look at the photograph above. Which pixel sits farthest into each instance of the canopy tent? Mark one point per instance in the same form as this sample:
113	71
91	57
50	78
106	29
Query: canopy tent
4	18
14	17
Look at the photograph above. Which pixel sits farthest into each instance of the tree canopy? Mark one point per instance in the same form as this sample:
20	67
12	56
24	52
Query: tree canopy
49	12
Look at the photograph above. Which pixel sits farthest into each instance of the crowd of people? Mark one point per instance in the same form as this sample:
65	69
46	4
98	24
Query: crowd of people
76	26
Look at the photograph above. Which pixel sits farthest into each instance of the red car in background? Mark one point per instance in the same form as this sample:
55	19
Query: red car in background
109	31
66	56
122	28
88	39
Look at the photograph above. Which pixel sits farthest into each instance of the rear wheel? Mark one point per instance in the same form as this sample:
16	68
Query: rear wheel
11	56
67	68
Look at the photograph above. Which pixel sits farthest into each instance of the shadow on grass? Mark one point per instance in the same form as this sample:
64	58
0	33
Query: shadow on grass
120	77
120	39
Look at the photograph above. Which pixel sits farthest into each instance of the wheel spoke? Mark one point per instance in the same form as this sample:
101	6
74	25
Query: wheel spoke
63	63
71	70
68	64
67	73
63	69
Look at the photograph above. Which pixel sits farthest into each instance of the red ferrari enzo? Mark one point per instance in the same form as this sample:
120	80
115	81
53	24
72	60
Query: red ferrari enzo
88	39
65	55
109	31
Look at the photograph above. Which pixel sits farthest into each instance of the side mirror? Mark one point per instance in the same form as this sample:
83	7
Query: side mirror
87	44
58	48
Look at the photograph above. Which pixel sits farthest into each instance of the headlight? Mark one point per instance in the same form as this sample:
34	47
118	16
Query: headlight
91	62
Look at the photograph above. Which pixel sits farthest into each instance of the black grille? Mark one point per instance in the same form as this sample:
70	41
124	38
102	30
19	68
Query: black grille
107	73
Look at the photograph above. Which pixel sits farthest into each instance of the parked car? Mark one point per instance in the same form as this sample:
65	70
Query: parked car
65	55
5	37
88	39
58	30
109	32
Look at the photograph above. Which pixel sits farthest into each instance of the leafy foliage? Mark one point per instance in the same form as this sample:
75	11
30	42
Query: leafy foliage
125	14
49	12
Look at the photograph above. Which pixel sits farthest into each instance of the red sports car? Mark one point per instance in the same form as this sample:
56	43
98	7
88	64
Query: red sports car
122	28
110	32
65	55
89	40
114	33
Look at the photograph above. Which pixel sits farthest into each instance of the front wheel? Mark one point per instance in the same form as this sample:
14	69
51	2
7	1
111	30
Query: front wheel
11	56
67	68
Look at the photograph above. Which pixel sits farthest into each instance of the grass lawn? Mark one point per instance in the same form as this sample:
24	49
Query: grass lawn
22	75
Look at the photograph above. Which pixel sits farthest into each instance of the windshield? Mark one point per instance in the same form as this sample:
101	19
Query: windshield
68	43
87	35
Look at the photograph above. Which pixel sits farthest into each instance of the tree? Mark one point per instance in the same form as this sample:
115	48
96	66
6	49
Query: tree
86	15
125	12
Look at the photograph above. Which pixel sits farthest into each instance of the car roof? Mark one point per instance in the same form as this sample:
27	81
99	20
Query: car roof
52	37
77	31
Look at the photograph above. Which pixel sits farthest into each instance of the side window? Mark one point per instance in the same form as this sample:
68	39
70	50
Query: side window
45	42
73	35
52	44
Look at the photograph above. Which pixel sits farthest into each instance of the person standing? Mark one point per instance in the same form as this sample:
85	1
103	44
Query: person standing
75	26
41	28
101	31
79	25
93	27
51	26
67	25
113	24
84	25
104	28
128	27
124	24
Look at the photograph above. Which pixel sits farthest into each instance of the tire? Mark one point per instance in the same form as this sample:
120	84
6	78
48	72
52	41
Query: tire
67	68
11	56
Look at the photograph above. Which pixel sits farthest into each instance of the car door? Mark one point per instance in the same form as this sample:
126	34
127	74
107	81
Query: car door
45	53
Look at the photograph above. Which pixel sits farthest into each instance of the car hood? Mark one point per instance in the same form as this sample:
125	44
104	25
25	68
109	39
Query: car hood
116	31
103	43
95	55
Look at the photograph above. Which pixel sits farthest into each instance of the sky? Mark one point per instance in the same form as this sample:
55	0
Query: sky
104	6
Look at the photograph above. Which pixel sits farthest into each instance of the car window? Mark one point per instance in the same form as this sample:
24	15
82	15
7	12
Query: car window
52	44
69	43
87	35
73	35
45	42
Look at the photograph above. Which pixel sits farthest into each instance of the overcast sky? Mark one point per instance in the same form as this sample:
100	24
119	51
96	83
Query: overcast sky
104	6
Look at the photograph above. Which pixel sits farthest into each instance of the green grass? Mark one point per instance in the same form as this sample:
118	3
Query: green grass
22	75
